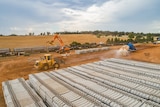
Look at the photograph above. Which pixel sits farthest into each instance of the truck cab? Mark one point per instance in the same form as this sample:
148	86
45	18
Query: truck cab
157	41
131	47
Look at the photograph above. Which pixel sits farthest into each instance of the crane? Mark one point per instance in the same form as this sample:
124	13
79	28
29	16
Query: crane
63	48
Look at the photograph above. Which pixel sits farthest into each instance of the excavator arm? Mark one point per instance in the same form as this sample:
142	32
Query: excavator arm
56	36
62	48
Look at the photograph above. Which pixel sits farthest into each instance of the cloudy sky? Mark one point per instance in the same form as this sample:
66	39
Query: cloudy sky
24	16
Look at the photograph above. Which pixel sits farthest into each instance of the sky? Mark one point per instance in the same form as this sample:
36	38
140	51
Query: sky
27	16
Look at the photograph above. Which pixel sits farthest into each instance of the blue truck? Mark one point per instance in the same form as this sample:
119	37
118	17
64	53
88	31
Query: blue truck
157	41
131	47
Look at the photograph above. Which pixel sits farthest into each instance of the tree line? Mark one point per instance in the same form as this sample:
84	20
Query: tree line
133	37
98	33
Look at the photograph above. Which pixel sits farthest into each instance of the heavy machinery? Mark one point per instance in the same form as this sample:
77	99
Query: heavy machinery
126	49
63	48
157	41
131	47
47	62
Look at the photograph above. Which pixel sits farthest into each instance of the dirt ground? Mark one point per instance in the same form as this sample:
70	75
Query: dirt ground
30	41
21	66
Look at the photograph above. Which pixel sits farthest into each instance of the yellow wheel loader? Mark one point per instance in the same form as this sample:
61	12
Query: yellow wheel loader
47	62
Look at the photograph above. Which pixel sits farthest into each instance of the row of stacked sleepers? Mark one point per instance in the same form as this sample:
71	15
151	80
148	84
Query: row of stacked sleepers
107	83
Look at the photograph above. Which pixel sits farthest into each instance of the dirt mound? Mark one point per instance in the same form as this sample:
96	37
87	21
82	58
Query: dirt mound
147	54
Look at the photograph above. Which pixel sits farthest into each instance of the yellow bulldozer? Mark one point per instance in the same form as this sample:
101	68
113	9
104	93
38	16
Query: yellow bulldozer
47	62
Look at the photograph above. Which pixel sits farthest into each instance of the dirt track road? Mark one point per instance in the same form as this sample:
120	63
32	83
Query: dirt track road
14	67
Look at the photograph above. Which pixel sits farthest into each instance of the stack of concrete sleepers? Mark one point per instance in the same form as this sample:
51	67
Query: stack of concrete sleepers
56	92
115	90
4	50
39	49
18	93
103	83
18	51
135	63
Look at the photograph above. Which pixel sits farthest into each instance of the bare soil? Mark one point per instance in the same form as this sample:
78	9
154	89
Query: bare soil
30	41
21	66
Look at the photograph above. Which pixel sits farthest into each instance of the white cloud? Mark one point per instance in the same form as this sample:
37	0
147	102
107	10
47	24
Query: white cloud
47	15
155	26
109	12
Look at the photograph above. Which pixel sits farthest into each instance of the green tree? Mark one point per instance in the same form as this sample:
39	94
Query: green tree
48	33
112	41
131	36
149	37
13	35
116	40
99	35
138	38
74	43
108	41
143	39
122	41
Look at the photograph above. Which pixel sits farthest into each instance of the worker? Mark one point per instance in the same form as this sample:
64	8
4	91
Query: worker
131	46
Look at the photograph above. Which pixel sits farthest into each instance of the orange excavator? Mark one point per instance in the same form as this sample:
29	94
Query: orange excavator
63	48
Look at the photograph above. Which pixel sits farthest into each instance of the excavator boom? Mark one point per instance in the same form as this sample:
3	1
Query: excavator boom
56	36
63	48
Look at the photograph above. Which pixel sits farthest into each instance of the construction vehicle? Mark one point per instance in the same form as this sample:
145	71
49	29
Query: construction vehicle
131	47
126	49
47	62
63	48
157	41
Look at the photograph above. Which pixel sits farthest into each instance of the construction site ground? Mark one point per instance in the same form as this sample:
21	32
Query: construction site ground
13	67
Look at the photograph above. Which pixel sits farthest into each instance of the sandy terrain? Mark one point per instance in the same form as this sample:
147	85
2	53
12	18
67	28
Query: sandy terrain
13	67
30	41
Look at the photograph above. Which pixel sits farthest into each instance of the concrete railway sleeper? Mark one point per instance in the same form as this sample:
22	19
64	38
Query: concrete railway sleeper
101	83
13	95
132	69
135	100
91	99
30	92
115	93
153	81
74	96
135	63
91	92
131	96
150	74
19	91
63	100
120	86
149	89
122	75
147	70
